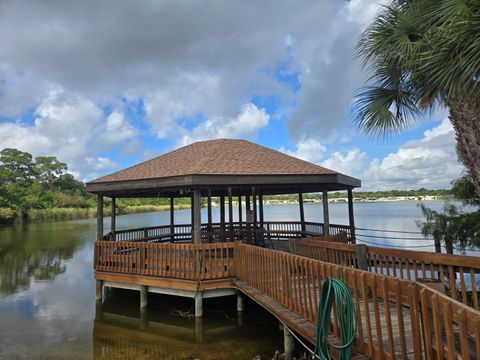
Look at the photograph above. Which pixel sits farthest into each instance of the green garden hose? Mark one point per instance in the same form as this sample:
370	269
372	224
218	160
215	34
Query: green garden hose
334	290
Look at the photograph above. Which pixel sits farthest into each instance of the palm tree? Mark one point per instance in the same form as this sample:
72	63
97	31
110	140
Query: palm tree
423	54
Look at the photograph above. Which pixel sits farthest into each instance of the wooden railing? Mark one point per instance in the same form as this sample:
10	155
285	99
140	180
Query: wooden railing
328	251
397	319
454	275
179	261
274	230
457	273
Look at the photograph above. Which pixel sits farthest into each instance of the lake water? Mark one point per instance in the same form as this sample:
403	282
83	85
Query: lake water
47	295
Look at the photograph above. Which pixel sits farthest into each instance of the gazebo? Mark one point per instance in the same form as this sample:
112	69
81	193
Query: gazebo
228	169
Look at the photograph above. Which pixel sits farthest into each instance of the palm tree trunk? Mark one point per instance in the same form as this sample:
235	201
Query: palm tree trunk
465	118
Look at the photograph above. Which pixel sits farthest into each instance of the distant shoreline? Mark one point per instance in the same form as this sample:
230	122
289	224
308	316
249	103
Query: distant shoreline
67	214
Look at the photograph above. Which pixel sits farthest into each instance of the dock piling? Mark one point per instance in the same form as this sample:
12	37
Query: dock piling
143	296
240	303
288	343
198	305
99	290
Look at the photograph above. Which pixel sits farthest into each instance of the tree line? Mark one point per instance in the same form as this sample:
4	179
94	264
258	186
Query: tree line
27	183
41	189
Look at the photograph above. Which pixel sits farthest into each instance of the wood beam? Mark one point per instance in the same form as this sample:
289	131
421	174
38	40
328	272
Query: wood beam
113	218
99	217
172	217
248	208
240	217
351	217
209	214
230	212
197	218
302	212
222	217
326	218
191	210
260	205
254	199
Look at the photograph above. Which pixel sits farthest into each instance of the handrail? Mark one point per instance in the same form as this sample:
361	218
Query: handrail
453	274
397	318
273	230
179	261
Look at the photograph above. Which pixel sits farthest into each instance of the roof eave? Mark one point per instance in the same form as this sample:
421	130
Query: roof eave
339	181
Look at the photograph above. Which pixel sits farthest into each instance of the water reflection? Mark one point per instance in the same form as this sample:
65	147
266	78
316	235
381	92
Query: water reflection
35	252
167	331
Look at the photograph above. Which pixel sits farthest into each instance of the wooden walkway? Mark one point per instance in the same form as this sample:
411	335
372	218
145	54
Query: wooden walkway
398	318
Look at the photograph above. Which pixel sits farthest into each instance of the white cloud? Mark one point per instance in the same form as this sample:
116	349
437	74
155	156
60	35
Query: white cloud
351	163
429	162
73	129
308	150
246	125
227	53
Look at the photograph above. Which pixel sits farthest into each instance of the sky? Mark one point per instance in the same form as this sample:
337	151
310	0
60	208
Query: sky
103	85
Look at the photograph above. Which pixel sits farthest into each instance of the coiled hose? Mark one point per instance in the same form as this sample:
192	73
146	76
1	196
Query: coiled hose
335	290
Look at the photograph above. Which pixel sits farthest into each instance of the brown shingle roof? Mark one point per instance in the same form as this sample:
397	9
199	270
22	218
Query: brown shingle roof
218	157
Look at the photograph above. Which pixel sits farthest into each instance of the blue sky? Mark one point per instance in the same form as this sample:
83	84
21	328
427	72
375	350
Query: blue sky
103	87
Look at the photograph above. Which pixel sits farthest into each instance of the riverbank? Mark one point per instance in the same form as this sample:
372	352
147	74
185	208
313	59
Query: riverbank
7	216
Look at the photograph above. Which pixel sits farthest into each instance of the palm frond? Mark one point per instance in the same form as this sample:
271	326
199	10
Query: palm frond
380	111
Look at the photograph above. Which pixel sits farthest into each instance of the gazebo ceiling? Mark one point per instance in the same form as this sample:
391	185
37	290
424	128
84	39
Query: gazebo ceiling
216	165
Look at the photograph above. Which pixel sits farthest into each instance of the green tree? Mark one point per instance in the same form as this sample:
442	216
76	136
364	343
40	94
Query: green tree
423	54
49	169
16	167
453	226
67	182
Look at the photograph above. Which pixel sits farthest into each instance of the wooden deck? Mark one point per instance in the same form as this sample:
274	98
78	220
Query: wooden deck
398	318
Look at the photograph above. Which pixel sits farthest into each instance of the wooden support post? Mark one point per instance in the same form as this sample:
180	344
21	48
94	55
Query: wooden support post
98	290
351	217
197	220
198	305
99	217
260	205
326	219
288	343
240	302
302	213
172	218
230	214
248	233
143	296
191	212
361	255
240	217
209	215
113	218
222	218
254	200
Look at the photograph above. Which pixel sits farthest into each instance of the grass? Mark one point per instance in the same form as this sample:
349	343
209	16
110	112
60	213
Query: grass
8	215
59	214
